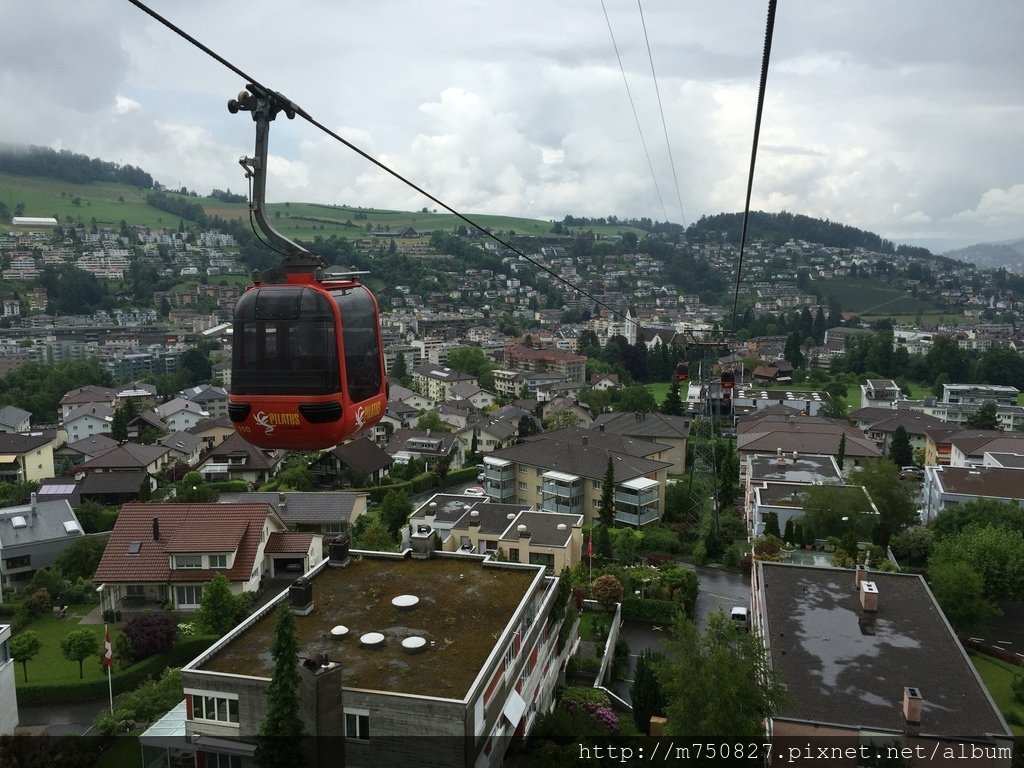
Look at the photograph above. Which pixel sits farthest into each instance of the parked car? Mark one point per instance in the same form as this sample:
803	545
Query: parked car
741	616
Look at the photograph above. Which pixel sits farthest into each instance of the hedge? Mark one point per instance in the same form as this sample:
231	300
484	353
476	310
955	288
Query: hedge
55	693
649	610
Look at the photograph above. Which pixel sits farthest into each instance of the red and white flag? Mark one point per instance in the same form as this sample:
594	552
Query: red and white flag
108	649
590	545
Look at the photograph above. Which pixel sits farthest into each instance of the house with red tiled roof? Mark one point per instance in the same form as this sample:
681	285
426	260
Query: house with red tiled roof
161	554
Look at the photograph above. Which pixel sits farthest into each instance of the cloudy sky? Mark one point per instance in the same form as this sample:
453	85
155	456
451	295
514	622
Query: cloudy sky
905	118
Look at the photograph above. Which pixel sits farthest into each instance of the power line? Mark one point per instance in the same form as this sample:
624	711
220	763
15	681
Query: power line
661	109
640	130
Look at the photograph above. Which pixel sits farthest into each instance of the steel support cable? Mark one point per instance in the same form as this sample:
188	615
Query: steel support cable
636	117
765	58
299	111
661	109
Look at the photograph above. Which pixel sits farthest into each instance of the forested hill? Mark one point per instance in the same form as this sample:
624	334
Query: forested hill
778	228
68	166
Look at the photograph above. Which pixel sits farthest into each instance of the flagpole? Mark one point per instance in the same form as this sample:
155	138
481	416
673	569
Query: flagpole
108	660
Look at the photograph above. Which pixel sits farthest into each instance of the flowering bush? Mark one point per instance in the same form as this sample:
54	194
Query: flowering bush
186	629
602	713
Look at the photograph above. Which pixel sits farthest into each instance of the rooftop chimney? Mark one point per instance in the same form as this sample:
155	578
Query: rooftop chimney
912	709
300	596
338	550
156	529
474	517
583	440
524	532
869	596
860	573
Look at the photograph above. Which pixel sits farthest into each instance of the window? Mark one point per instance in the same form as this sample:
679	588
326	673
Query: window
221	760
357	724
22	561
522	469
135	590
5	652
596	485
522	486
513	555
217	708
218	561
188	595
188	561
542	558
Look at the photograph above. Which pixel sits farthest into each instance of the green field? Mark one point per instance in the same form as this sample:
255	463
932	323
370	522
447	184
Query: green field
873	297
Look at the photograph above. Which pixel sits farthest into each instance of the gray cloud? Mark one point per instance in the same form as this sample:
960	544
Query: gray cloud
903	118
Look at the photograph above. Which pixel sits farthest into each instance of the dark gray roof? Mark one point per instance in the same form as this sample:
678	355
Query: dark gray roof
802	469
296	507
607	440
23	442
93	446
841	669
126	455
46	525
543	528
644	425
590	461
184	442
11	416
362	455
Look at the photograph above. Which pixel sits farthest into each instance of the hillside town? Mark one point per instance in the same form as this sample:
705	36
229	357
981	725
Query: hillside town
528	528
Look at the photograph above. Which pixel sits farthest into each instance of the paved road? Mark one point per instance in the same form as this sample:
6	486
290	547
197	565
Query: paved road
62	719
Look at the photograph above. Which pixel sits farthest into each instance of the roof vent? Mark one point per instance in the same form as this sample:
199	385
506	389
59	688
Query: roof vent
562	527
524	532
405	602
414	644
18	521
339	632
372	640
300	596
474	517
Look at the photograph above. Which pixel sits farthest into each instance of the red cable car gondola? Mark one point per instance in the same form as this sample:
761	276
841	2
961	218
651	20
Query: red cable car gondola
307	368
728	382
682	372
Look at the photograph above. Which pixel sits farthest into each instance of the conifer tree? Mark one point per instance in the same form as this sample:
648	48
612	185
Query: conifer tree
282	730
607	505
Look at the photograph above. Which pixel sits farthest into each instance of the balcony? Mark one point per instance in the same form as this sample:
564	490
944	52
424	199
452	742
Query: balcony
631	518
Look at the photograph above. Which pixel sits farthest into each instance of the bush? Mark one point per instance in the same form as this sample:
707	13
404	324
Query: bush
150	633
1018	687
661	611
659	539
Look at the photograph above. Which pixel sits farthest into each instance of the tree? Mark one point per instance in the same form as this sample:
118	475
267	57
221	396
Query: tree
834	408
604	542
395	509
400	370
78	645
606	506
985	418
626	543
607	589
281	730
24	646
831	510
980	512
645	693
374	537
792	350
900	451
841	453
636	397
993	552
718	684
960	591
81	557
432	422
218	607
895	501
771	525
673	403
296	478
197	366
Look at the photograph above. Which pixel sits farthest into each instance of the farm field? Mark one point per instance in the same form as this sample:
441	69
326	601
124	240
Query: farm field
873	297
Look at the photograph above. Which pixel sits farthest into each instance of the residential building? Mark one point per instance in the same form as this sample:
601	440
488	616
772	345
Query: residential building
213	431
947	486
88	420
673	431
212	400
572	367
237	459
564	471
436	662
749	399
33	535
130	457
8	697
767	432
437	381
979	394
165	553
183	447
26	457
83	396
868	657
781	481
180	414
14	419
880	393
358	462
428	446
915	424
469	524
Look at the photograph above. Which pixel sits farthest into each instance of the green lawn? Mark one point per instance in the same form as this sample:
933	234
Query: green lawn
871	296
49	665
125	752
997	676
